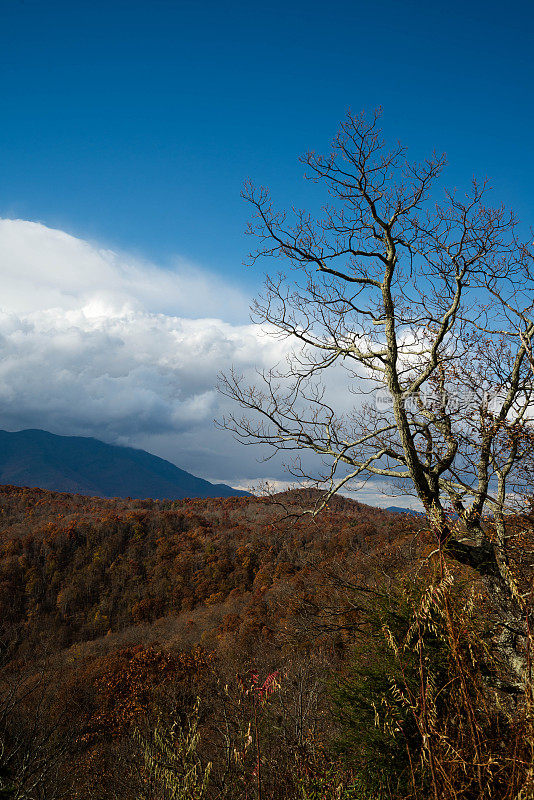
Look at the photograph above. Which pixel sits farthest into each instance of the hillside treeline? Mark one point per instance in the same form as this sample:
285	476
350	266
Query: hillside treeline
240	648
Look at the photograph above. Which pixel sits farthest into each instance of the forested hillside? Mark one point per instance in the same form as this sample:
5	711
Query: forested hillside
238	648
73	568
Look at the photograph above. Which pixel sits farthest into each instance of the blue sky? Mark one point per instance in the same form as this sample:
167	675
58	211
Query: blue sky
135	123
127	130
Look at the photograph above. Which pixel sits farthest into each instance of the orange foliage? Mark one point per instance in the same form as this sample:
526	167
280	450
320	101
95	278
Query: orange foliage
133	679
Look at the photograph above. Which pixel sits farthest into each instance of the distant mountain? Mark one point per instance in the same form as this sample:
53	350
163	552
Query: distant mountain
414	513
400	510
83	465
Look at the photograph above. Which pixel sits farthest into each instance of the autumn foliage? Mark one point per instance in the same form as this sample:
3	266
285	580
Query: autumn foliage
221	648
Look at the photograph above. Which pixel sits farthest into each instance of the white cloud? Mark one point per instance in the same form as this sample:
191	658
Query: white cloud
94	343
43	268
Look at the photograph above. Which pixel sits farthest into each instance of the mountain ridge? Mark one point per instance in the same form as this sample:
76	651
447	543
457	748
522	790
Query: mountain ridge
85	465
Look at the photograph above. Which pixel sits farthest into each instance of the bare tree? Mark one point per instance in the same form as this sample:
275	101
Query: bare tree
427	307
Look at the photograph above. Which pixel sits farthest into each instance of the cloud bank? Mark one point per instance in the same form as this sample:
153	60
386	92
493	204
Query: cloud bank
43	268
95	343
